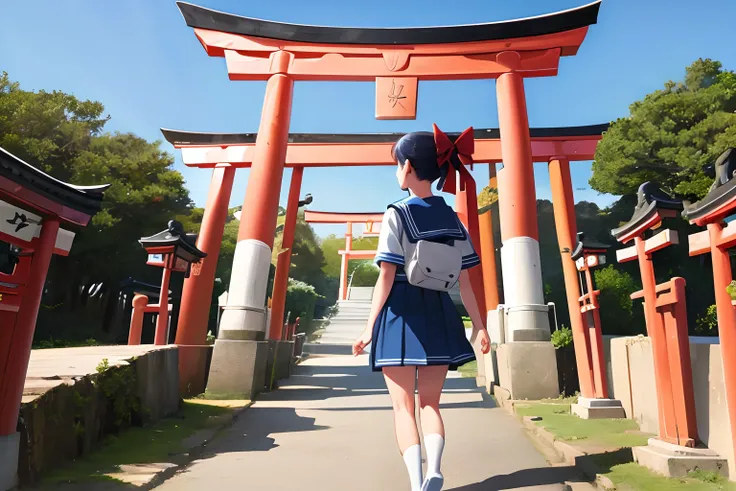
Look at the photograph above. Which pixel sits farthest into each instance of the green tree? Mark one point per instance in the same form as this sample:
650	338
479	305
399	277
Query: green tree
671	135
64	137
332	244
618	314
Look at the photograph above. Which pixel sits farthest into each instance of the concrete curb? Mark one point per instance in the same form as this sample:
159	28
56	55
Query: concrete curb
148	476
565	451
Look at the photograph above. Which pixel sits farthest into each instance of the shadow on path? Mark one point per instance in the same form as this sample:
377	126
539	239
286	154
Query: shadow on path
252	432
525	479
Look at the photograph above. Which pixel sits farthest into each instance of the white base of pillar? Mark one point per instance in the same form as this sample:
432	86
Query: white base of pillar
676	461
9	450
519	323
244	317
598	408
527	323
522	272
526	314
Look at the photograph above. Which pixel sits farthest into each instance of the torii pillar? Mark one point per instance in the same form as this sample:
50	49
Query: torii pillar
345	262
526	361
196	297
241	349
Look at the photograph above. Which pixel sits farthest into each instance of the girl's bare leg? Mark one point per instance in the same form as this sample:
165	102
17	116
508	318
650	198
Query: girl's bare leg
401	382
431	380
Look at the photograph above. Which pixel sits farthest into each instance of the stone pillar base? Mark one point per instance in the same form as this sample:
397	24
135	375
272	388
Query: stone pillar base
528	370
9	448
598	408
279	362
677	461
194	363
285	360
490	364
238	369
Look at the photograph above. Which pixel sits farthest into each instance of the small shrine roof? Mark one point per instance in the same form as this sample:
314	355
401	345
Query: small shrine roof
84	199
721	193
174	236
650	199
583	244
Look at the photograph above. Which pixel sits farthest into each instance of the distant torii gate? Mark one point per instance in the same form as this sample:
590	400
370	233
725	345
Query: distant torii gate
372	228
282	53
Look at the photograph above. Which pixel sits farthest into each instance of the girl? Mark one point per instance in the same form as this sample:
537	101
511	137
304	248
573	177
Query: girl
417	333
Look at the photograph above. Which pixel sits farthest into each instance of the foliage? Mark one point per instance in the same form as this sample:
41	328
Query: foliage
487	196
64	137
671	135
119	386
51	343
330	246
731	290
365	274
562	337
617	316
708	323
148	445
300	300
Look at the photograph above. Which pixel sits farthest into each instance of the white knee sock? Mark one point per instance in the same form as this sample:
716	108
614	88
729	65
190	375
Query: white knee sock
434	445
413	461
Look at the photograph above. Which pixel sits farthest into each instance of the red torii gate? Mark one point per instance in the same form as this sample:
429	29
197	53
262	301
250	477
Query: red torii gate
370	220
284	53
225	152
33	207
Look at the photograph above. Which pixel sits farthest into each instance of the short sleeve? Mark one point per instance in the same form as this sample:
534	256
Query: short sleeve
390	249
470	257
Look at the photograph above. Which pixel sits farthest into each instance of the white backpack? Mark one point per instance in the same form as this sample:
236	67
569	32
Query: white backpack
432	265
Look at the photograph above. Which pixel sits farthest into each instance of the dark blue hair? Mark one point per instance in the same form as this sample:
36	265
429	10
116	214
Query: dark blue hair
420	149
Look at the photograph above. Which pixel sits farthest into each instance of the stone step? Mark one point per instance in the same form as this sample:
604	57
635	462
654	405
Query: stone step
348	320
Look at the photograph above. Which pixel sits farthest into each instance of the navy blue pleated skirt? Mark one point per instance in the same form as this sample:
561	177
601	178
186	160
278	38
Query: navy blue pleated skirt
419	327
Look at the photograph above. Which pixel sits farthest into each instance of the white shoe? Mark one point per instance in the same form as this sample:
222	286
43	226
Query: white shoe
433	483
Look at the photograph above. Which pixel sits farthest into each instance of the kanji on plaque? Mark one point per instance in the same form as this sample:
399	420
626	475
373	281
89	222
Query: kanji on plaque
396	97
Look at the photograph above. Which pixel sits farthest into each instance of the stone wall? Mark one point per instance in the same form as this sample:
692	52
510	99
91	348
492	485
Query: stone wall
631	380
72	419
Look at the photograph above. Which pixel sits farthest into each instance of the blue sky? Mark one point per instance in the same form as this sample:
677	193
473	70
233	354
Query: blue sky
140	59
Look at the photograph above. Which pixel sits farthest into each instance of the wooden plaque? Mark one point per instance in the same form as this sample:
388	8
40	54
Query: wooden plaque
396	97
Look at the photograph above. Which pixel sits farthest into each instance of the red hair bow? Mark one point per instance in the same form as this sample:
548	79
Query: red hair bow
466	202
464	146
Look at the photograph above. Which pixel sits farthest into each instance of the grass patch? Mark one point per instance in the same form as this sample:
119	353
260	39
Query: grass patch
557	419
141	445
469	370
633	477
219	396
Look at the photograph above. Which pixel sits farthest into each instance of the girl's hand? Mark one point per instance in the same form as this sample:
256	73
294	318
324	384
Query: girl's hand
363	341
485	342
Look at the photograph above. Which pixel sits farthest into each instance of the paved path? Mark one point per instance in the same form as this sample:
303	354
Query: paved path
330	427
